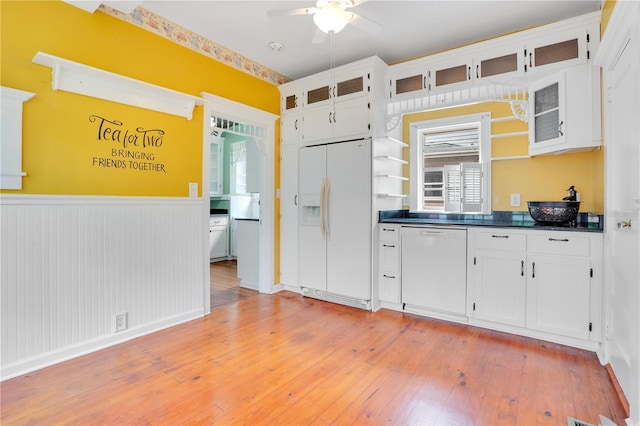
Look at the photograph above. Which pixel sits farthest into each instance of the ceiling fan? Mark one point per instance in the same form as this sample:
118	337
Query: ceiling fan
332	16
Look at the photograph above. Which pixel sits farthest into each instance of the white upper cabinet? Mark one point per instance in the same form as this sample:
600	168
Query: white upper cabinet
512	59
557	51
564	113
408	80
290	113
337	104
498	64
451	73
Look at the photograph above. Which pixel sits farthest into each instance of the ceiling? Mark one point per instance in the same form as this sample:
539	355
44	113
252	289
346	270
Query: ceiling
410	29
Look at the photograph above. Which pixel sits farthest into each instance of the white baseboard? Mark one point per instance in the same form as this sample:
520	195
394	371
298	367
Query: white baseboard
55	357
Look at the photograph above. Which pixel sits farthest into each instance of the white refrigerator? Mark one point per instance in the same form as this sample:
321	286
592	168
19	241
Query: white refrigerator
335	222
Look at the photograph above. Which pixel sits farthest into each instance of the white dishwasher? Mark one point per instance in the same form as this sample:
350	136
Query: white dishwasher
434	268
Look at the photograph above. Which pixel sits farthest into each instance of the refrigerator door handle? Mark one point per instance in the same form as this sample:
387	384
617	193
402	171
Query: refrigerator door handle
327	192
322	191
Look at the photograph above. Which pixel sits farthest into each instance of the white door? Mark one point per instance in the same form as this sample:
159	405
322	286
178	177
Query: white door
289	215
349	224
312	250
622	252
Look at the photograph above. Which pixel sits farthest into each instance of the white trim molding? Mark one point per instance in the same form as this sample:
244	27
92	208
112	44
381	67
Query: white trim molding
11	173
82	79
622	23
244	113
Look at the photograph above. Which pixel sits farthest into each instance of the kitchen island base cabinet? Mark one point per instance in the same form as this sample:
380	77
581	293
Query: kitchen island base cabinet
434	275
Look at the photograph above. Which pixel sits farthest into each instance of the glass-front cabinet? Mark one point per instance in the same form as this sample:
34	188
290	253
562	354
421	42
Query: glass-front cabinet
564	112
215	168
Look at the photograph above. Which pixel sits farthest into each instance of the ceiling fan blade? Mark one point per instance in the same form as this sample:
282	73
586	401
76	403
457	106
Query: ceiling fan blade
365	24
292	12
318	37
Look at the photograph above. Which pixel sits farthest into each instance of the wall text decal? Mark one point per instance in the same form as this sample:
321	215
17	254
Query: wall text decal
134	146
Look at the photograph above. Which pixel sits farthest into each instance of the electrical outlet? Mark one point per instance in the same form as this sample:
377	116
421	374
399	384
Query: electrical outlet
121	322
515	200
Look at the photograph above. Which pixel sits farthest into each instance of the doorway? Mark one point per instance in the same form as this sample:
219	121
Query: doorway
216	106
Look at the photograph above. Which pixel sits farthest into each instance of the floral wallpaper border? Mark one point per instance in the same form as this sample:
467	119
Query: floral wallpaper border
156	24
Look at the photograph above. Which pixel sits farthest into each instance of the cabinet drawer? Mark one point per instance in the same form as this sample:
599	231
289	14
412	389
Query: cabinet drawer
389	233
218	220
568	245
389	256
389	285
500	240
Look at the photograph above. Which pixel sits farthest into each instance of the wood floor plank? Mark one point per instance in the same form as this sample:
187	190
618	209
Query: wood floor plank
284	359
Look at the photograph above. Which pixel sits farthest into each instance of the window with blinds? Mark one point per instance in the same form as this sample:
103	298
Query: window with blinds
450	175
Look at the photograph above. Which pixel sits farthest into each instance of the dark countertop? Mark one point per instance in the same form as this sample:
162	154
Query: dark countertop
496	219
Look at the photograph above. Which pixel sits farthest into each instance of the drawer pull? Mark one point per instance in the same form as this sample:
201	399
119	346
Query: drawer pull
533	269
389	229
388	245
499	236
522	268
388	276
564	240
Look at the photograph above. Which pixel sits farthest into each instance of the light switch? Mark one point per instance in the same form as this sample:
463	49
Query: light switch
193	189
515	200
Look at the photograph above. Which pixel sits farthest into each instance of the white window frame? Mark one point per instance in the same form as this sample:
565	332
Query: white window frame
475	195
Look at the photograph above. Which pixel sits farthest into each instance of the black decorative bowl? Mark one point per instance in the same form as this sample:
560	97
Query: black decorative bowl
554	212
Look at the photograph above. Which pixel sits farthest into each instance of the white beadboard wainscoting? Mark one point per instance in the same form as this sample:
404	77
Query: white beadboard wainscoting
69	264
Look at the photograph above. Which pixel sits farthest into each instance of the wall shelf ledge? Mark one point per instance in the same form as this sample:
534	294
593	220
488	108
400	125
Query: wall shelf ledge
82	79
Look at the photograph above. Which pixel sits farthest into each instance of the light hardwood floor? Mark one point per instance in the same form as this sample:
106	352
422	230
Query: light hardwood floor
225	284
284	359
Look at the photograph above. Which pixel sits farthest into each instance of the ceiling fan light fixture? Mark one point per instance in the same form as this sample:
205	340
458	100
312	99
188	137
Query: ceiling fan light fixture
331	18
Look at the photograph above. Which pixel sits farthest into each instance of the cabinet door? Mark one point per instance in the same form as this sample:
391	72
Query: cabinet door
215	165
351	83
558	295
407	82
289	102
499	287
450	74
290	128
218	242
497	64
351	119
289	215
317	125
547	106
557	51
565	111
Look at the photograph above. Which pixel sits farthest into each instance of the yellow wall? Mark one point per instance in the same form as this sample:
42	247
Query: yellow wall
538	178
59	140
62	152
